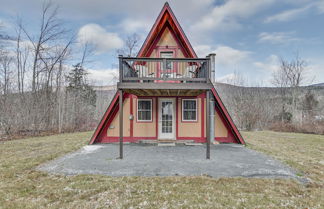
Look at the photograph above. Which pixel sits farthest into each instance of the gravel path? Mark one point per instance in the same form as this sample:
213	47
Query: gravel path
227	160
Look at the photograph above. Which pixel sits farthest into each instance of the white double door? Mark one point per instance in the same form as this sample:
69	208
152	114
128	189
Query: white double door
167	120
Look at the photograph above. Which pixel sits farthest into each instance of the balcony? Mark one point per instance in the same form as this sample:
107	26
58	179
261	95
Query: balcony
165	76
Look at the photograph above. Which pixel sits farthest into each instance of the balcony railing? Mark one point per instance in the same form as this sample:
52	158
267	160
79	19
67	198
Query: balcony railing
164	70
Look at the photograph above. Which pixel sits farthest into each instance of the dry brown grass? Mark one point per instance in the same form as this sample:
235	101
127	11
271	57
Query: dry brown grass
305	152
23	187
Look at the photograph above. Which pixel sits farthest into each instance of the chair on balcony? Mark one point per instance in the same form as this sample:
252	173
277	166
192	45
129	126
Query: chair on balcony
143	72
189	72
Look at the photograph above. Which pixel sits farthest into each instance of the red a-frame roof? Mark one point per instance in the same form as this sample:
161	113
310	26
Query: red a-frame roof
166	17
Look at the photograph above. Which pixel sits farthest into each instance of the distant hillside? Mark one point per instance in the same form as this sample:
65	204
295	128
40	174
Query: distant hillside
319	84
266	100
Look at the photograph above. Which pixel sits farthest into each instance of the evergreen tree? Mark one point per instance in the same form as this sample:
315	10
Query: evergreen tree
82	96
78	85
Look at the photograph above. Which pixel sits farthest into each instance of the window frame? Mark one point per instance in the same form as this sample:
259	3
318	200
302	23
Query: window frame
168	52
151	101
182	110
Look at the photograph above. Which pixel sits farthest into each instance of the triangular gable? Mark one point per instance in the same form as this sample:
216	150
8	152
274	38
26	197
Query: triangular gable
104	118
224	113
165	19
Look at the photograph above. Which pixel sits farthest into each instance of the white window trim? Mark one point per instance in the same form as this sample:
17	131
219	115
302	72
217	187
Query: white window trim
183	110
138	100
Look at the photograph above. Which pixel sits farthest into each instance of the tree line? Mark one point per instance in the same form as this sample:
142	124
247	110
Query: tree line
288	106
39	89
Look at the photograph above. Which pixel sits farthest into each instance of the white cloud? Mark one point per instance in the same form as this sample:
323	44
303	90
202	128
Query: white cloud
103	76
203	50
292	14
135	26
287	15
277	37
5	24
101	39
226	16
228	78
98	9
320	6
271	64
225	55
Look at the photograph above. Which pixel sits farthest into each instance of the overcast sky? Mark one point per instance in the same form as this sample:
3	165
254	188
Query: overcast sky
247	36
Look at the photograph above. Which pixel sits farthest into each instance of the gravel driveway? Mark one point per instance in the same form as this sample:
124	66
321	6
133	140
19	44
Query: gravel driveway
227	160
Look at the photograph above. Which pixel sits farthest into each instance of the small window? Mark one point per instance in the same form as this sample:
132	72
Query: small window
189	110
169	65
144	110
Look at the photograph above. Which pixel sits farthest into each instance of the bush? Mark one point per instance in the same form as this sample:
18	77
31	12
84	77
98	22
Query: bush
308	128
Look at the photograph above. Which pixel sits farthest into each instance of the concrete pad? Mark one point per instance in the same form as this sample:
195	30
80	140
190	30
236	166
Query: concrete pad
166	144
227	160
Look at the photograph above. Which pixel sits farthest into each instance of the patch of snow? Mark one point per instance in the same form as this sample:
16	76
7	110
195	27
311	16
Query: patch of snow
90	148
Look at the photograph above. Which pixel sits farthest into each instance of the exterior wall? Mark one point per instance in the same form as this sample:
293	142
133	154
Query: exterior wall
192	130
149	129
113	129
220	128
189	128
144	129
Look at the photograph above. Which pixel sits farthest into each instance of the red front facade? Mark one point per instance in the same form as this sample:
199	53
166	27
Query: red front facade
165	117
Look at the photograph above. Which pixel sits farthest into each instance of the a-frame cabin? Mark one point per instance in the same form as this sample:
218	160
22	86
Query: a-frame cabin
166	92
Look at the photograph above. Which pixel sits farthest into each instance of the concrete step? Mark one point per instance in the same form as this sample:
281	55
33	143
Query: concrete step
166	144
175	141
148	141
193	144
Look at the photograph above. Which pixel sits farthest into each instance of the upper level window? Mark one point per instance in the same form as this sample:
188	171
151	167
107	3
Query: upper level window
144	109
167	55
189	109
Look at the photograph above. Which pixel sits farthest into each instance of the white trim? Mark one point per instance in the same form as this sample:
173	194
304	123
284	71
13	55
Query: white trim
151	110
167	135
182	109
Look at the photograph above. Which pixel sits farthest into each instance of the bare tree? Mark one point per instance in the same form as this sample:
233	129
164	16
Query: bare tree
47	50
291	74
130	48
5	72
33	95
22	54
50	31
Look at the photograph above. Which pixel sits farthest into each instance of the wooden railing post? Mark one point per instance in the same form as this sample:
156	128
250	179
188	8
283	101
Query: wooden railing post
121	73
212	67
164	68
208	69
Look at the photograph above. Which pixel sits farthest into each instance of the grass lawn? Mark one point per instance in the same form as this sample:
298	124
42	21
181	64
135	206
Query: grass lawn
23	187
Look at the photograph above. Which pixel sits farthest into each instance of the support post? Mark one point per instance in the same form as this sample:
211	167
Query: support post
212	118
212	67
121	124
207	124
